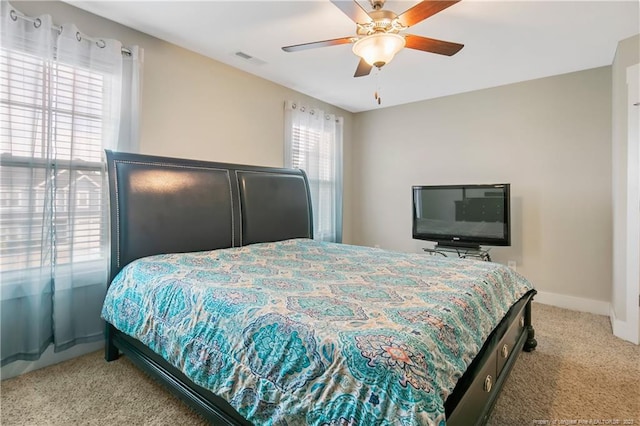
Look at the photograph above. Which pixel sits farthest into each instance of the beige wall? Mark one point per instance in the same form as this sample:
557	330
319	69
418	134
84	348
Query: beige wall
195	107
550	138
627	54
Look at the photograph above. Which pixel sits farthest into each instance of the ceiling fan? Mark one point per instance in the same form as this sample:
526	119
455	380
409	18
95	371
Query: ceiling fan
378	39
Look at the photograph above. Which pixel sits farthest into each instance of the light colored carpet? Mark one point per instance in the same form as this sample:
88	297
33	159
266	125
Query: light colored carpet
579	374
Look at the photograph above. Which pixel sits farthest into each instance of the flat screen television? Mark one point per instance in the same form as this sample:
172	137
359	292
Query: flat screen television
462	215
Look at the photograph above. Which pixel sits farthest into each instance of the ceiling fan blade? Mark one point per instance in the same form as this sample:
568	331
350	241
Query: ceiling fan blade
432	45
353	10
315	44
363	69
423	10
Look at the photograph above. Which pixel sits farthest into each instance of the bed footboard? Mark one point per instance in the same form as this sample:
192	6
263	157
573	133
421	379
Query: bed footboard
479	388
531	342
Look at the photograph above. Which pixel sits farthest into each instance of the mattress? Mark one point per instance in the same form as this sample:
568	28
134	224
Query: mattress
301	332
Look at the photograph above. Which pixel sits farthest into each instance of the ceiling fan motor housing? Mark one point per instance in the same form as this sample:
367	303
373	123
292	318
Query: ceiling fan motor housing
382	21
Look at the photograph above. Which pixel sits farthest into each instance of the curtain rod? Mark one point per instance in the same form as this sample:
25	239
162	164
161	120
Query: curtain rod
37	22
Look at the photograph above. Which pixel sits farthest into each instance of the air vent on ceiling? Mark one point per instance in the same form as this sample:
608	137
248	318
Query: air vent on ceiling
249	58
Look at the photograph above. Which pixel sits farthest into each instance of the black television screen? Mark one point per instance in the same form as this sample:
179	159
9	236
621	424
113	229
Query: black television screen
462	215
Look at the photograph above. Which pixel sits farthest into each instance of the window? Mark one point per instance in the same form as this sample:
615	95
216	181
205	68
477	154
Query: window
314	144
51	158
64	97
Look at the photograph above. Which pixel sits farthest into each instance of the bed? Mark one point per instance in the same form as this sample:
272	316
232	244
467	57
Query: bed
219	292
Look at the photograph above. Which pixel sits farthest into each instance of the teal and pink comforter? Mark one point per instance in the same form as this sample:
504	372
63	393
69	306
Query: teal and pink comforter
301	332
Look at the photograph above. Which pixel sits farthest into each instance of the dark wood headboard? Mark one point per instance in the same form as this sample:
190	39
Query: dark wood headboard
170	205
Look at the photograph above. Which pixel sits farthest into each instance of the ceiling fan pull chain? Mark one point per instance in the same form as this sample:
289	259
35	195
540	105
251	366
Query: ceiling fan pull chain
377	92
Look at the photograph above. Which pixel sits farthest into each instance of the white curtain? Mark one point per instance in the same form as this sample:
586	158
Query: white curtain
64	96
313	143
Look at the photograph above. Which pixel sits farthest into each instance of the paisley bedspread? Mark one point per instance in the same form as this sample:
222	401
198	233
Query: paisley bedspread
302	332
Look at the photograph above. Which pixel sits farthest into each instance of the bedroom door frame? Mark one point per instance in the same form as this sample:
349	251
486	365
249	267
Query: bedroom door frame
631	329
626	284
633	200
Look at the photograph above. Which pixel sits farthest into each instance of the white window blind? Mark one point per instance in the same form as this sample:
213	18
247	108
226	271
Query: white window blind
51	185
312	152
313	143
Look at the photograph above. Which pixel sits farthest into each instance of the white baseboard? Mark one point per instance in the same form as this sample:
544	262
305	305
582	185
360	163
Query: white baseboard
573	303
623	329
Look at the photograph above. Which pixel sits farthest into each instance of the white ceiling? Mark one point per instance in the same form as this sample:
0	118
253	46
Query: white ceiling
505	42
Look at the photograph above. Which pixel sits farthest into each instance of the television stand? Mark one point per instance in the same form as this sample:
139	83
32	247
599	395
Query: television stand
463	252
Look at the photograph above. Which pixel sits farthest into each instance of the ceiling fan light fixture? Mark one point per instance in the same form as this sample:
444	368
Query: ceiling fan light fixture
379	49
